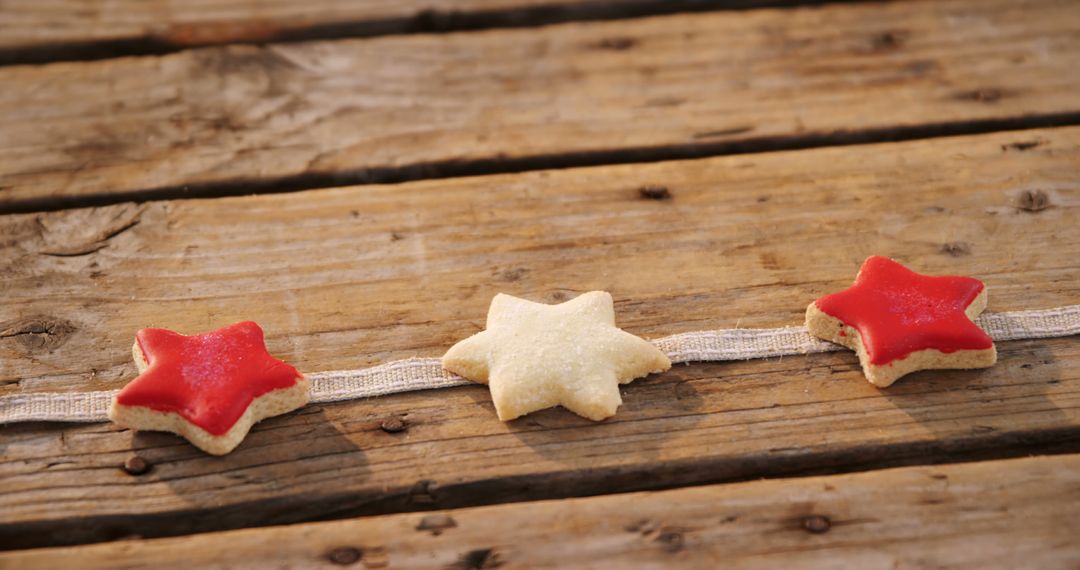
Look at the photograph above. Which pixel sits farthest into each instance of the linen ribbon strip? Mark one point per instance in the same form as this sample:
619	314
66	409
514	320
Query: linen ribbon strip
427	373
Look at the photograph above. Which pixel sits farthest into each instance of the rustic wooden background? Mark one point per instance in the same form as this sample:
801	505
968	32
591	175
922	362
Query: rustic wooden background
362	177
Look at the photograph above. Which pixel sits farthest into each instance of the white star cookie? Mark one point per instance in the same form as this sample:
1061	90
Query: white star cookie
536	356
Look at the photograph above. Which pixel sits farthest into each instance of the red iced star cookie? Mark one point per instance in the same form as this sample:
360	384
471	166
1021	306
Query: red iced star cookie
900	321
209	388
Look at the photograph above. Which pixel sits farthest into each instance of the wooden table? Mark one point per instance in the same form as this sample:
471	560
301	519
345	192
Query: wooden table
362	177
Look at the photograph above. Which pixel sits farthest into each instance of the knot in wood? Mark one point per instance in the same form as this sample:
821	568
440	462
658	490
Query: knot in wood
38	333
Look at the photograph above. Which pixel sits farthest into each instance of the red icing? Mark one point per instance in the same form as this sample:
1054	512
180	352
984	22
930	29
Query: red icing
209	379
898	311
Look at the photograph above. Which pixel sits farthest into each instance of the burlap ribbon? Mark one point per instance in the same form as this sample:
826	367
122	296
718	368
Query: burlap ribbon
427	373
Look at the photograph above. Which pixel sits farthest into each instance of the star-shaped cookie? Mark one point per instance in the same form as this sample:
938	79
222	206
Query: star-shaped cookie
535	356
209	388
900	321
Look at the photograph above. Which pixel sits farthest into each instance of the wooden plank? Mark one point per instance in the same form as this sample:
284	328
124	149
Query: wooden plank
32	30
350	277
241	118
1021	513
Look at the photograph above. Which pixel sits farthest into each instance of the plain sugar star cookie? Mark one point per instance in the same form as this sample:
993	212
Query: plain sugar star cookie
899	321
209	388
535	356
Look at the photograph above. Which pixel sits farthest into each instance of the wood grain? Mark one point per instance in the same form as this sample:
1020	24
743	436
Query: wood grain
349	277
31	29
239	119
1020	513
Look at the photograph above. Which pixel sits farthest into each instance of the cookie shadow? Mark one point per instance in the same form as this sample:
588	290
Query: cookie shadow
654	410
281	473
995	412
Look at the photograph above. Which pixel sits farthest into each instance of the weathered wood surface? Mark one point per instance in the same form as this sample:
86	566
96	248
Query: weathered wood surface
64	28
240	118
1020	513
349	277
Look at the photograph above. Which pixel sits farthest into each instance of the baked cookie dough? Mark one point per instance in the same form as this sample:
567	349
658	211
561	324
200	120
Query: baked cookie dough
899	321
208	388
535	356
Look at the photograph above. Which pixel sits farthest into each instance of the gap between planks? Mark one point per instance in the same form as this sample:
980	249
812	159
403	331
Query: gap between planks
89	30
482	167
408	270
995	514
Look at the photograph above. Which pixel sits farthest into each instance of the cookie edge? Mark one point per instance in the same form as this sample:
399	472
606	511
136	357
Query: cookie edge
272	403
828	327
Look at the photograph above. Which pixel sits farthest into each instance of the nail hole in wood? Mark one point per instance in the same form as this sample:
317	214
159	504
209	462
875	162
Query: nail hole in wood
1033	201
344	556
394	424
956	248
478	560
816	524
889	40
1021	145
136	465
671	540
654	192
436	524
